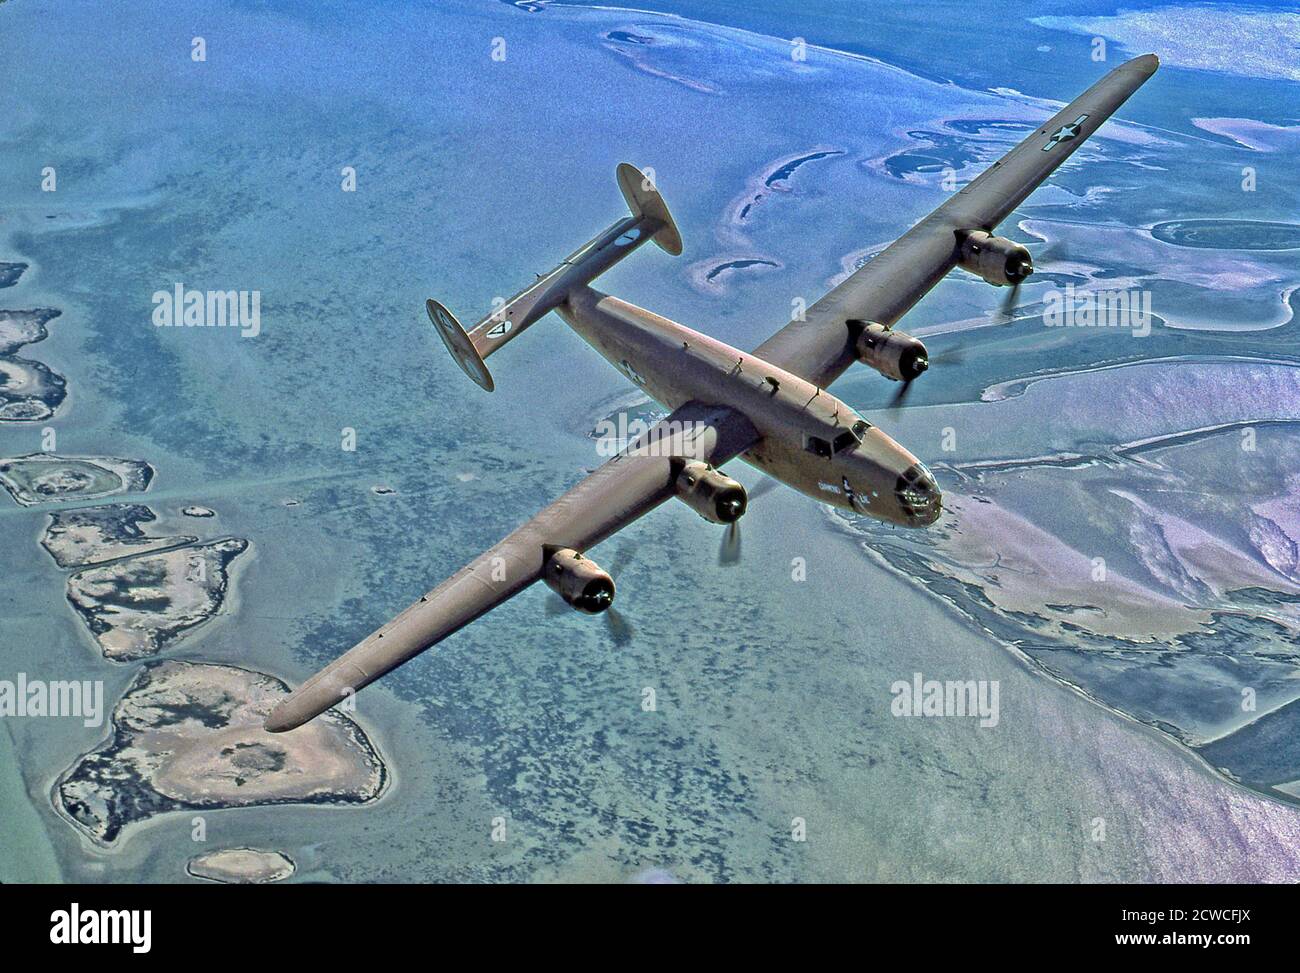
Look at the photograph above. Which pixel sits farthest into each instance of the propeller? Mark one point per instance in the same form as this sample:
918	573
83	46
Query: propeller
729	551
1017	274
1006	313
901	395
913	364
620	630
951	356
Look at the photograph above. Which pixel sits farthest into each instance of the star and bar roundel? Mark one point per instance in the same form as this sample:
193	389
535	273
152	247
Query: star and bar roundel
1065	133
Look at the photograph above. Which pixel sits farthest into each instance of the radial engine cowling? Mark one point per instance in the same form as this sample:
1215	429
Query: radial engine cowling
995	258
711	493
892	353
579	581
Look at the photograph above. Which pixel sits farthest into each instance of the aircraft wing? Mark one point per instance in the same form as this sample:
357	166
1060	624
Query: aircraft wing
617	493
820	347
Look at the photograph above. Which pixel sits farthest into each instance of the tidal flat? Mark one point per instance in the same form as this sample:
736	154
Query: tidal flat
10	272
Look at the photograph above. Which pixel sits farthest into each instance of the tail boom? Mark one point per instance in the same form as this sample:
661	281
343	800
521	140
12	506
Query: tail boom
649	220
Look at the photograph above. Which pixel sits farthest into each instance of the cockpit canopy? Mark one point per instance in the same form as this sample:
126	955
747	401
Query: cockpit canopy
850	437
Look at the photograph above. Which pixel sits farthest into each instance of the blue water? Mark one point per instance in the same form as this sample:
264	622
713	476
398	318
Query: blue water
472	174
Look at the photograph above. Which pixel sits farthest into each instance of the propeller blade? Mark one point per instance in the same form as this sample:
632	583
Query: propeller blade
729	552
765	485
619	629
1009	305
900	396
622	557
955	355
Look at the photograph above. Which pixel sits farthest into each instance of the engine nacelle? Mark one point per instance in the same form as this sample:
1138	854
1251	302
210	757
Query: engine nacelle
579	581
892	353
711	493
995	258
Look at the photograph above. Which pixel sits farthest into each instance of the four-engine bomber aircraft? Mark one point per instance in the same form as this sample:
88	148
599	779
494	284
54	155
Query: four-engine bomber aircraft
769	408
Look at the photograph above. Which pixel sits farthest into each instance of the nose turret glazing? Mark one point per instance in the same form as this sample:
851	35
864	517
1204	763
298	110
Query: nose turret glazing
918	495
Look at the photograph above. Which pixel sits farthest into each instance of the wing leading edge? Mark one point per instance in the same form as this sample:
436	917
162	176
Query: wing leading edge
820	347
621	490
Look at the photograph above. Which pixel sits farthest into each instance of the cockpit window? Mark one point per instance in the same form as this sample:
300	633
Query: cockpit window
846	439
852	436
818	446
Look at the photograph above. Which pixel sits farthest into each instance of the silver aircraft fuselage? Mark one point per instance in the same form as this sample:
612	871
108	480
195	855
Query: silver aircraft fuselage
811	441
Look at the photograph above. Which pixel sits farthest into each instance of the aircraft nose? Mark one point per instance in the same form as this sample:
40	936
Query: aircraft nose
919	496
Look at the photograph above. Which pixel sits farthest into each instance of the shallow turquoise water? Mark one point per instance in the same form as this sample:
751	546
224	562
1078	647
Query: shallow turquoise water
472	174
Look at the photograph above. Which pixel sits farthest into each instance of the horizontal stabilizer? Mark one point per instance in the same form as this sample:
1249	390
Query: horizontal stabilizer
649	220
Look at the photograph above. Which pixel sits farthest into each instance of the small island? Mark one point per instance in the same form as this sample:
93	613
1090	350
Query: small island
137	606
241	866
92	535
10	272
29	390
188	736
18	328
45	477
